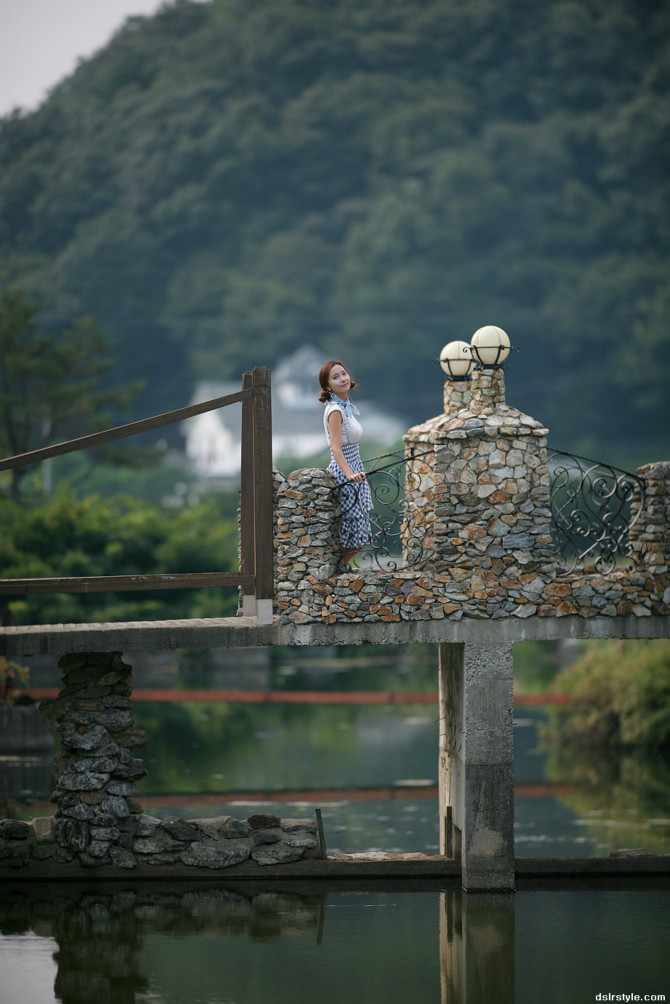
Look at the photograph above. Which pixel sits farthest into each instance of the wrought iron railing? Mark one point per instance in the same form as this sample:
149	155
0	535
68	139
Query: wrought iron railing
398	487
593	507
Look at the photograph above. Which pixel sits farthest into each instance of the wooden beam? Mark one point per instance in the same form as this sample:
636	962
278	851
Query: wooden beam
124	583
256	547
121	431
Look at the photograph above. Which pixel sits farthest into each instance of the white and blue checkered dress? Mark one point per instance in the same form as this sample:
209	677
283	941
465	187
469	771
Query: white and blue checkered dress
355	498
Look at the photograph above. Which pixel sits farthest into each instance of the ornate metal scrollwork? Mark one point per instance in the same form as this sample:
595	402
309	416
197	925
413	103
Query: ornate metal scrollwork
397	533
593	507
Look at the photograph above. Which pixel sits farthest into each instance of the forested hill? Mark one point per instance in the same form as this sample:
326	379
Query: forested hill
229	180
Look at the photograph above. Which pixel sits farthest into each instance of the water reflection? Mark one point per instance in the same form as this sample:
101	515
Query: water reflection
620	800
23	776
223	944
235	944
477	948
579	807
294	944
371	769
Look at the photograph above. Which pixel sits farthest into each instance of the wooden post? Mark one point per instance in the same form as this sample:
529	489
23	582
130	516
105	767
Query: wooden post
321	833
262	454
247	505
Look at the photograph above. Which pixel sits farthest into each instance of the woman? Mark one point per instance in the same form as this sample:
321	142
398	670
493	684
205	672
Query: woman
343	432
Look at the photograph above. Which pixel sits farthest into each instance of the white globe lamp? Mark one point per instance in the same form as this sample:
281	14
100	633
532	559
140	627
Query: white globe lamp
490	346
456	360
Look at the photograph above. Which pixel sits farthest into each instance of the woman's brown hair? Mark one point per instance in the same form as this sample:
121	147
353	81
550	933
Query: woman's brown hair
324	376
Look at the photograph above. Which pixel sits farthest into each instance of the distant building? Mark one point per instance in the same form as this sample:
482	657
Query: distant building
213	439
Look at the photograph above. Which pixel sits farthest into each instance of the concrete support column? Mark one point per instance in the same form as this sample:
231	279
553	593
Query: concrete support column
476	769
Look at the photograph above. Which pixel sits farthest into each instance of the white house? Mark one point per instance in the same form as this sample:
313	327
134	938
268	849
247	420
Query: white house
213	439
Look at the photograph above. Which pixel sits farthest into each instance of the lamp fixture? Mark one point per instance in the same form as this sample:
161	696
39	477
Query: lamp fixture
457	361
490	346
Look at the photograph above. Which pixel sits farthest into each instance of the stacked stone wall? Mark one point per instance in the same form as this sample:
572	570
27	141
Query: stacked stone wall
418	596
216	843
98	822
306	508
480	503
95	770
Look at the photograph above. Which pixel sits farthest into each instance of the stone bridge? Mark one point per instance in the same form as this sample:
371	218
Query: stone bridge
478	500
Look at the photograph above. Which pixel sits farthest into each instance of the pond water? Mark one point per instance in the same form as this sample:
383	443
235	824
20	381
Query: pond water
373	772
237	945
371	769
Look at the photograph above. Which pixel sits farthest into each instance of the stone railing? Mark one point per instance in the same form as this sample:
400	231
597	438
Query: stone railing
478	495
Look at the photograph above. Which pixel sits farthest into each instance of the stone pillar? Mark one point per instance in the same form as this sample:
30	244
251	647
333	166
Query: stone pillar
486	516
457	394
649	536
476	762
418	528
307	543
95	770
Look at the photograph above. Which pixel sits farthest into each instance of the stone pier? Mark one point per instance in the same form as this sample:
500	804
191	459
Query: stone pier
98	822
95	770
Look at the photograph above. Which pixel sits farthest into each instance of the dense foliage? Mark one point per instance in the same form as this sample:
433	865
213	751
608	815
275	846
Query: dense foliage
620	696
228	180
66	536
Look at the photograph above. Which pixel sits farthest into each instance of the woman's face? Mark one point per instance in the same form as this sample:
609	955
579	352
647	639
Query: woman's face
339	381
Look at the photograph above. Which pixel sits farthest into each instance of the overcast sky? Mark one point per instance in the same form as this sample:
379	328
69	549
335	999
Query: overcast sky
41	41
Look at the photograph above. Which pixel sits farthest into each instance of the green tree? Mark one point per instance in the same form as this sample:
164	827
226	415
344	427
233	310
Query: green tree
620	696
119	535
226	181
50	383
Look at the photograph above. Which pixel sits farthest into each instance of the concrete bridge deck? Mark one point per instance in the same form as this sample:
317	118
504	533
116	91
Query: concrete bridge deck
244	632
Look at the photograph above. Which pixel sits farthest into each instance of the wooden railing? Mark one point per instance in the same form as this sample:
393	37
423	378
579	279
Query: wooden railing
255	576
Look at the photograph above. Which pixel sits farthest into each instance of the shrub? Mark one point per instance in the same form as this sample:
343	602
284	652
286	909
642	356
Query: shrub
620	693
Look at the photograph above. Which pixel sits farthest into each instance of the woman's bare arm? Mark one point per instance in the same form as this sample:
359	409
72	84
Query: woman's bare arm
335	426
